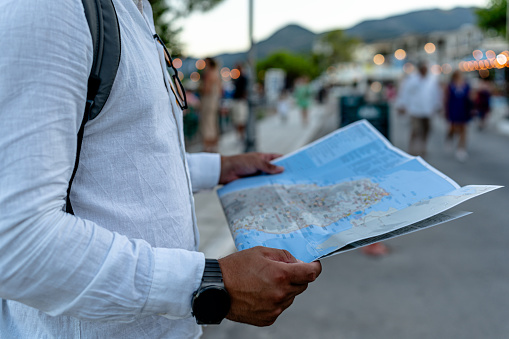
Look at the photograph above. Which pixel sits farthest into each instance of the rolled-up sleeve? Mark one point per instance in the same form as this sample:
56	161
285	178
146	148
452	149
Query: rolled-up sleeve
204	169
50	260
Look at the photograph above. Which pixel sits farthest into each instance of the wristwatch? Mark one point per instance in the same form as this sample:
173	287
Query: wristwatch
211	302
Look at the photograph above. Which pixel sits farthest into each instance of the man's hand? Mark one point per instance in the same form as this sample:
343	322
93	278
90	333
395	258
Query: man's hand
248	164
263	282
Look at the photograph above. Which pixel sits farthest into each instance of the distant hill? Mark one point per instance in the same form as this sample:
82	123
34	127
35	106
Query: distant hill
420	22
292	38
296	39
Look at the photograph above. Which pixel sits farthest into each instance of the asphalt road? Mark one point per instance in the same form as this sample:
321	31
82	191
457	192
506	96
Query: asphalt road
450	281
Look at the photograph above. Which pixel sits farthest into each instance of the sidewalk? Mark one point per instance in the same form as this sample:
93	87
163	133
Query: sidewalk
272	136
499	116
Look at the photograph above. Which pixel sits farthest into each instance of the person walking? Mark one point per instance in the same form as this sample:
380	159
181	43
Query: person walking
303	98
210	96
482	102
240	107
458	111
419	97
126	263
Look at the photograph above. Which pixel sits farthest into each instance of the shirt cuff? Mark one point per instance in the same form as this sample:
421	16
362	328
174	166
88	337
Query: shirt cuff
204	169
177	275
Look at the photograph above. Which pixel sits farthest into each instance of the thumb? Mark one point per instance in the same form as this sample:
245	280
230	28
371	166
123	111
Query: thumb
304	273
269	168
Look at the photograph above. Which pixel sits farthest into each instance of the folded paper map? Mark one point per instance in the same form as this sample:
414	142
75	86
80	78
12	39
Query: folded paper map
346	190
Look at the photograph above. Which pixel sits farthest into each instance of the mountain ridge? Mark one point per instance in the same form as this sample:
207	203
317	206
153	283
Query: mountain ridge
294	38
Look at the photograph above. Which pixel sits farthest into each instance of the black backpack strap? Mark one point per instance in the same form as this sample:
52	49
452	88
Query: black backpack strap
103	23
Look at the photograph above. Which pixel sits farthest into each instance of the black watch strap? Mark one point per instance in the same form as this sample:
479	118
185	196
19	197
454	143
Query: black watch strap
212	273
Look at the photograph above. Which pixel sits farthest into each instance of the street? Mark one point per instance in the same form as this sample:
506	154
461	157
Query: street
450	281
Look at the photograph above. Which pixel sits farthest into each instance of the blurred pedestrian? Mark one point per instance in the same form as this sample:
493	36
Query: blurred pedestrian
210	95
303	97
283	105
458	110
419	97
240	106
482	102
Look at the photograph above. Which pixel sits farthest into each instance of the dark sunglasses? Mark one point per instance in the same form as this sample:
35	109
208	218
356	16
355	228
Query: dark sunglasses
177	87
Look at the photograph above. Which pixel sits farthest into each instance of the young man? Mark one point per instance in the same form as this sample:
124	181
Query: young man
420	97
126	264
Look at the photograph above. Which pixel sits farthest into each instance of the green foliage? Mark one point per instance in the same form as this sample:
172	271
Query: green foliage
335	47
167	12
294	65
493	17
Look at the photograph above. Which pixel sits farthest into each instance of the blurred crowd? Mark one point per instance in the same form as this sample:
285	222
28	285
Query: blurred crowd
218	106
459	101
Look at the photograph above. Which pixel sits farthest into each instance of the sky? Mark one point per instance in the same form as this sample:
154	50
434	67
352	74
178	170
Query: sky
225	28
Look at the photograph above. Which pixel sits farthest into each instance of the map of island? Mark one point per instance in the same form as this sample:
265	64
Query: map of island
341	192
288	208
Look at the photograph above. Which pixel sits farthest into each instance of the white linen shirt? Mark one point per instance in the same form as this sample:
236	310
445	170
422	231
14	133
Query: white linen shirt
420	96
129	255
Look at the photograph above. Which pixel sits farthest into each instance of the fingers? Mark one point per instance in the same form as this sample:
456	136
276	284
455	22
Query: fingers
298	272
303	273
271	156
271	168
263	282
266	165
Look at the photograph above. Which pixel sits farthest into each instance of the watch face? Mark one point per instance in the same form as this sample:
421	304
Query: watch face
211	305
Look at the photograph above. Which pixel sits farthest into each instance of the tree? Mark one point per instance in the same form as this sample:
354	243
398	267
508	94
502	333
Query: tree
294	65
493	17
335	47
167	12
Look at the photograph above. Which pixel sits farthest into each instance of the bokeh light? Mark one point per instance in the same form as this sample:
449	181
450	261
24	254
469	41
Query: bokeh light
477	54
490	54
200	64
484	73
225	72
446	68
400	54
376	87
181	75
195	76
177	62
430	48
408	68
501	59
379	59
436	69
235	73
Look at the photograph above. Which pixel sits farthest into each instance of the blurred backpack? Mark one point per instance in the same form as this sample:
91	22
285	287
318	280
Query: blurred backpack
103	23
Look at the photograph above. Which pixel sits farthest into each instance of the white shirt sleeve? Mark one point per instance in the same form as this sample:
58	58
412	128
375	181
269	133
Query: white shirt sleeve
50	260
204	169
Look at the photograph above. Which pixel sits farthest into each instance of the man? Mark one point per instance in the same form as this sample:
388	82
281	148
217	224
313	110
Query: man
125	265
240	107
420	97
210	96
